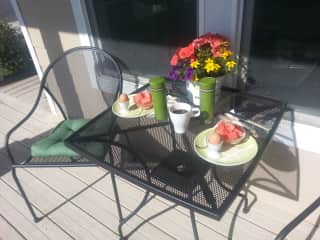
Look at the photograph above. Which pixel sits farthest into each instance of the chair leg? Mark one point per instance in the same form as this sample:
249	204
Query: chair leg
24	196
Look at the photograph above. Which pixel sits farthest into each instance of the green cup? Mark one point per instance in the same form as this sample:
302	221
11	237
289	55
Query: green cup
158	92
207	98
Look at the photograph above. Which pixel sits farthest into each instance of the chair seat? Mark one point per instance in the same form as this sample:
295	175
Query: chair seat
53	144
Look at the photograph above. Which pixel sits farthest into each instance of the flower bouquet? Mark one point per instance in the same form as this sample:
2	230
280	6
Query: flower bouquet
206	56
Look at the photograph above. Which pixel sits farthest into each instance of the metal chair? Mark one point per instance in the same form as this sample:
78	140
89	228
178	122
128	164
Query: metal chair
82	82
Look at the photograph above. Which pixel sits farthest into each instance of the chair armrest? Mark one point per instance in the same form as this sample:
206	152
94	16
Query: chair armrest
303	215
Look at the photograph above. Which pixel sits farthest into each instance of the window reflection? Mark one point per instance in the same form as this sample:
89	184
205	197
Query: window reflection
143	34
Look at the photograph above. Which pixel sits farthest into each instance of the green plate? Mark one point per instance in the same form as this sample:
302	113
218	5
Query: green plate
230	155
133	111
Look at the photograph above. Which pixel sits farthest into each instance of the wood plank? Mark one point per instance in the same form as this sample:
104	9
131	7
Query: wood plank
19	152
32	123
19	84
22	89
20	134
177	221
22	137
272	217
243	229
259	215
274	211
28	97
263	215
86	175
93	202
59	179
268	218
7	231
30	230
46	226
13	105
173	224
68	216
18	91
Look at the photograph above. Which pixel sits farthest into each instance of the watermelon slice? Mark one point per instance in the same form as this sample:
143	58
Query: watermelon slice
143	100
229	132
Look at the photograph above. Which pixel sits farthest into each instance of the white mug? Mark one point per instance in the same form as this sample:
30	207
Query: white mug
180	115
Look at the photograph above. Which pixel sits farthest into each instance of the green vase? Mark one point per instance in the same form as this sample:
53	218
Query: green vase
207	98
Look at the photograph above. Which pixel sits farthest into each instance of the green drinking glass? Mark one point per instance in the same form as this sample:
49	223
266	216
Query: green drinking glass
158	92
207	98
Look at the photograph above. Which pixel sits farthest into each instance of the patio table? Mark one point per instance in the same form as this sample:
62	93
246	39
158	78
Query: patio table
149	154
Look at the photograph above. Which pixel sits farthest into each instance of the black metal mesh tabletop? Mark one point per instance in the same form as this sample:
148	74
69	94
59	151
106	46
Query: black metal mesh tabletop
148	153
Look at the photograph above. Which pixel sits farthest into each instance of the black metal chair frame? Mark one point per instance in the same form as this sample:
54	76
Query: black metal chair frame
42	89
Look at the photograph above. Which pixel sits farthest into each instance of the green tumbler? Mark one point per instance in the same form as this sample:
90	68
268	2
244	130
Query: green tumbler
158	92
207	101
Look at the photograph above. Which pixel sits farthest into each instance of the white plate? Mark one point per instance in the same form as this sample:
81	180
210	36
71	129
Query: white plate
133	111
230	155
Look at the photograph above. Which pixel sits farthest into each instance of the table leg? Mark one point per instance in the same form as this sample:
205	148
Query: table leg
247	205
123	220
135	211
194	225
116	196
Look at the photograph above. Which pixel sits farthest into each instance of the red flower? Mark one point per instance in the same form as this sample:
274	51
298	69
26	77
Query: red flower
186	51
215	40
198	42
174	60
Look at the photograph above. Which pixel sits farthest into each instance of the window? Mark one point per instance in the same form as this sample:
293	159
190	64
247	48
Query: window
284	51
143	34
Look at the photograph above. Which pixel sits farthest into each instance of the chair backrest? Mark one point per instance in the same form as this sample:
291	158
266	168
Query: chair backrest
83	82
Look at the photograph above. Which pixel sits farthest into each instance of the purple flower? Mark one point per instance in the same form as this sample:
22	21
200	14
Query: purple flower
188	74
174	74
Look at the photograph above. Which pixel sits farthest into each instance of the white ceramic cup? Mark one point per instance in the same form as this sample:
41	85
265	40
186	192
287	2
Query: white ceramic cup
180	115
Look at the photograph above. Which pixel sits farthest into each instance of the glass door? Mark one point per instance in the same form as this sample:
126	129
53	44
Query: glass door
281	49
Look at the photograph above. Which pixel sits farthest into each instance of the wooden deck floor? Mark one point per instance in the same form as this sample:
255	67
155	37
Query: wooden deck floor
78	203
